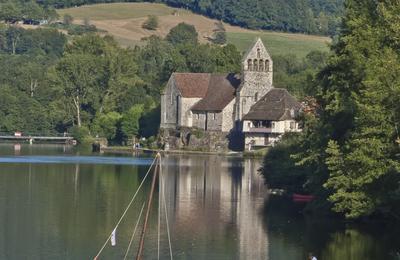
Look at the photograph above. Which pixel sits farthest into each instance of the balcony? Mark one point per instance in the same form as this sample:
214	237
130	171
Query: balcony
261	130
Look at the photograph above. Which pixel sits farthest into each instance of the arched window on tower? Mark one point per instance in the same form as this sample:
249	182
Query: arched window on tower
255	65
258	53
256	97
267	65
261	65
250	65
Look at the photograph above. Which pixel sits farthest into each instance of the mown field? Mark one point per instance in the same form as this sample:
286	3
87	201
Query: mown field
124	21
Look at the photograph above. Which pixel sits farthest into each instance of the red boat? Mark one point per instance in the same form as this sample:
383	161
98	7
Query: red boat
302	198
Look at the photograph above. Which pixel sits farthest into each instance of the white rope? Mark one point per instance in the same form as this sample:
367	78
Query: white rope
134	231
126	210
166	213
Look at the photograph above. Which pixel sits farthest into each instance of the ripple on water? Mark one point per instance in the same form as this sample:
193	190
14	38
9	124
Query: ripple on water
76	159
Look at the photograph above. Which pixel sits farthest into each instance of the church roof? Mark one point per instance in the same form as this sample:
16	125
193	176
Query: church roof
192	85
276	105
221	91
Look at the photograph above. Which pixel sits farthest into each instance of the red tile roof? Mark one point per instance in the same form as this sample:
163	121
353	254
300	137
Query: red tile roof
221	91
192	85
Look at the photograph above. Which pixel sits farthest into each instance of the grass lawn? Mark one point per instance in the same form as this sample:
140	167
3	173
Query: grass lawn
281	43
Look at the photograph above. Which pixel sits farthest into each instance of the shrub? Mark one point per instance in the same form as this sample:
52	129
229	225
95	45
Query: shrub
151	23
81	134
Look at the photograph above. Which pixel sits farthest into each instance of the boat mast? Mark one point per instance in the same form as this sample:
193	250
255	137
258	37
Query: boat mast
149	202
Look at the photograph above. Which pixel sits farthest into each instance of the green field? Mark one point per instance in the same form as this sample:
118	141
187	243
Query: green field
281	43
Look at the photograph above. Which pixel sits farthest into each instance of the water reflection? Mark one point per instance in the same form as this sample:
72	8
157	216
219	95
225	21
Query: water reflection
221	201
217	207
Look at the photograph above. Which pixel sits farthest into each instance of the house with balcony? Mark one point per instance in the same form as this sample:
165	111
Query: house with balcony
271	117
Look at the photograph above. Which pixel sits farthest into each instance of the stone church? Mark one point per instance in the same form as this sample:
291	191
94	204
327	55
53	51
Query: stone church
245	106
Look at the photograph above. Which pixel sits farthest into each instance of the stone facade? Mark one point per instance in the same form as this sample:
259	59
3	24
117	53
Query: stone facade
257	75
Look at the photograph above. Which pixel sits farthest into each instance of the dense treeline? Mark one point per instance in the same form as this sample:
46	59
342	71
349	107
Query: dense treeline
309	16
92	84
30	11
348	153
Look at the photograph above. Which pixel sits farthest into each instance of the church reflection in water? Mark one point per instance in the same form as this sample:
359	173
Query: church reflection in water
219	196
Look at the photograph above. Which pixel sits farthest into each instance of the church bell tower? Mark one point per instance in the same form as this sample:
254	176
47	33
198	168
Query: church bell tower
257	75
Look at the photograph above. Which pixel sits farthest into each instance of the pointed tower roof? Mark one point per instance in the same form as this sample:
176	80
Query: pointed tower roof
252	51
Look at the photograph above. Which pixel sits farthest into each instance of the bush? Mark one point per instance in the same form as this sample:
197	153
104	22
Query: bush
81	29
81	134
151	23
220	38
68	19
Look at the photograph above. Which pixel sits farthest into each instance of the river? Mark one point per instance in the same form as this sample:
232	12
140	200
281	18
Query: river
60	203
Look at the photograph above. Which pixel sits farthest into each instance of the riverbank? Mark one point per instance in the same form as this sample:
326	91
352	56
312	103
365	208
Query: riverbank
130	150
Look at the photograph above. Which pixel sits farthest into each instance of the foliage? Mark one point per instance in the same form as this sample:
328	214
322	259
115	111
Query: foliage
151	23
80	134
351	145
220	34
219	38
106	125
12	11
183	34
130	121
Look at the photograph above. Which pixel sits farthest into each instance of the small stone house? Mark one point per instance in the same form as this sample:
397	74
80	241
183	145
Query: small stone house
270	118
222	102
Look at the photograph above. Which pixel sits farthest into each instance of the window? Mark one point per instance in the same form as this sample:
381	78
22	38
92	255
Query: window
292	113
213	116
250	65
172	98
292	125
273	125
256	97
258	53
267	65
261	65
255	65
249	124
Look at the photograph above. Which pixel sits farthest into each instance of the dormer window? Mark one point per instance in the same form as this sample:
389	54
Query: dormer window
258	53
250	65
256	97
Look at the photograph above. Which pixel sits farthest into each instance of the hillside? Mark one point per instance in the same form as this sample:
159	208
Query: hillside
124	21
305	16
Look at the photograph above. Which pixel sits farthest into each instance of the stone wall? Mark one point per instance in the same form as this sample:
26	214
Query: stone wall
186	115
228	117
169	105
194	139
175	110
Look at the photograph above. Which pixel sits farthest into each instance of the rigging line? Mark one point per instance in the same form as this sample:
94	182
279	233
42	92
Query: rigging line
126	210
166	213
159	209
134	231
